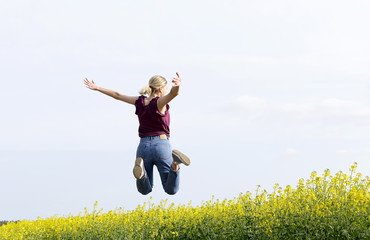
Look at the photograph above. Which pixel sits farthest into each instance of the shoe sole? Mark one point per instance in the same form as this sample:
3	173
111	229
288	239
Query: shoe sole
180	157
138	170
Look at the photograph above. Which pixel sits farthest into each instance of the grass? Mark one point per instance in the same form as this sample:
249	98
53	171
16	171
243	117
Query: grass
321	207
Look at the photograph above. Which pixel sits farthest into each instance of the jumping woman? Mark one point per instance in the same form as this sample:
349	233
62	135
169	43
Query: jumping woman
154	148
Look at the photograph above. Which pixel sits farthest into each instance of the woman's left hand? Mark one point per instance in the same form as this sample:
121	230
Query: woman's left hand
177	80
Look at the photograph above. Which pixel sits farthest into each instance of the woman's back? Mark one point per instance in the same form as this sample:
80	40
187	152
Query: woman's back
152	121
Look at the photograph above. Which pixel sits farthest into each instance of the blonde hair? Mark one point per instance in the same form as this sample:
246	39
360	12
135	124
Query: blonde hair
154	84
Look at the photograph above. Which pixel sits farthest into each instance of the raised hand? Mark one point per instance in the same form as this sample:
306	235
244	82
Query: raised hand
91	85
177	80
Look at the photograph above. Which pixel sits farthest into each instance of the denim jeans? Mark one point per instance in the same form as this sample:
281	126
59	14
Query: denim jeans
158	152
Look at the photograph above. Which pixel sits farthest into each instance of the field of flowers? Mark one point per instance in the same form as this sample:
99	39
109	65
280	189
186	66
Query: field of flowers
321	207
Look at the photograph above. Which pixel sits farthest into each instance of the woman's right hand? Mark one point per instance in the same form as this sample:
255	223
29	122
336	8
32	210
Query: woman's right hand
91	85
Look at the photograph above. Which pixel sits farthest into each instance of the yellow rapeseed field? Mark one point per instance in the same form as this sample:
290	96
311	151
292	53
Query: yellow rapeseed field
321	207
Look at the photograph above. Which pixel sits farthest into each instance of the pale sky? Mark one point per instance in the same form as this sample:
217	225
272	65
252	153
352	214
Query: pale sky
271	91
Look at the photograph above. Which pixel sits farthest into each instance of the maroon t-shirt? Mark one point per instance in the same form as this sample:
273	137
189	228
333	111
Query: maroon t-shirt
152	121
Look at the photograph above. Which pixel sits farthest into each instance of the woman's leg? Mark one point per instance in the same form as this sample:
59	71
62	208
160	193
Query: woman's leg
163	160
145	184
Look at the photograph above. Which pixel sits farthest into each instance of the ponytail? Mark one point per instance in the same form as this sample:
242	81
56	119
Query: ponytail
154	84
147	90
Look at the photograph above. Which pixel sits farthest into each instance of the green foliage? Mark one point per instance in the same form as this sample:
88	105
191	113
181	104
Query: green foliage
321	207
5	222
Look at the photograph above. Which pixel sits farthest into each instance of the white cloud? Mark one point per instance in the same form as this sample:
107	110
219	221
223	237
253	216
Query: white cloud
352	152
299	110
344	152
292	152
3	159
337	107
250	103
328	108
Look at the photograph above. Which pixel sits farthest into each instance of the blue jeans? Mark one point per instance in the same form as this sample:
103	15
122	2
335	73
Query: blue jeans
157	151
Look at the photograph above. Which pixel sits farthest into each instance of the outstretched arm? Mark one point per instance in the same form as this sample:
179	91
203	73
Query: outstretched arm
114	94
163	101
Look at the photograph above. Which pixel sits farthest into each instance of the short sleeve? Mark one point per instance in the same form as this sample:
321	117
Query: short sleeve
139	104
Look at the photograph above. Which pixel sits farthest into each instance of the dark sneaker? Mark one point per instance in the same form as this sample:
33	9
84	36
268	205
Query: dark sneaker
179	157
139	168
